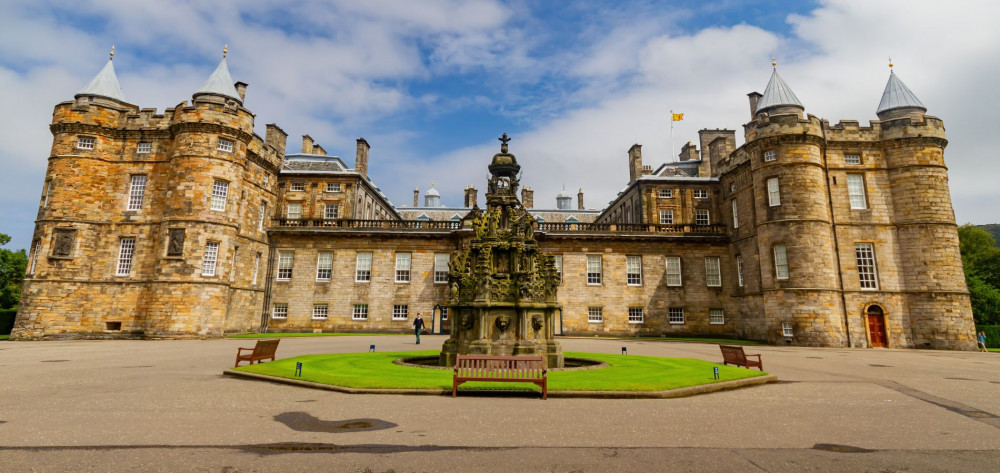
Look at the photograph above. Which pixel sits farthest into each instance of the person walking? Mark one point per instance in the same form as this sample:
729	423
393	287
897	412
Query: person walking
418	326
982	341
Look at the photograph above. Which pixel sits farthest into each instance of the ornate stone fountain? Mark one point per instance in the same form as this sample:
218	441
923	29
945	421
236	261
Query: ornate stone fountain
503	286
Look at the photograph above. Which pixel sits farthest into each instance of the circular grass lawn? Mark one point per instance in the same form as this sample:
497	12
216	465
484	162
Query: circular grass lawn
623	373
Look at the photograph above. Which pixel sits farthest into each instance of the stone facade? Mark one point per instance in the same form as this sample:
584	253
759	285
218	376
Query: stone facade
807	234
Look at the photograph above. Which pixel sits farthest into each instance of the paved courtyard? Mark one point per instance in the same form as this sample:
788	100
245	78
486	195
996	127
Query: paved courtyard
165	406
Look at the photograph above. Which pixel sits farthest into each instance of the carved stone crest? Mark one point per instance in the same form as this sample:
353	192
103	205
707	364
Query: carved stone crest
537	322
503	323
468	321
175	243
63	245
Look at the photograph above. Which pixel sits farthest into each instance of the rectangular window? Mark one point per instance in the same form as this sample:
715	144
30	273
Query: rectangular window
444	313
219	191
363	268
635	315
279	310
666	216
675	315
770	155
716	317
780	262
441	268
865	253
739	270
85	142
144	148
557	260
713	272
333	187
852	158
736	215
701	217
256	268
666	193
225	145
360	312
402	267
46	192
137	189
700	193
320	311
786	329
34	256
773	192
260	216
633	270
856	191
294	210
331	211
400	312
595	315
324	266
594	269
673	271
125	257
297	187
285	259
211	256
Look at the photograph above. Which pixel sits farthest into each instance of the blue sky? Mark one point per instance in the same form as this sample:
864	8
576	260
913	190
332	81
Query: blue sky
431	84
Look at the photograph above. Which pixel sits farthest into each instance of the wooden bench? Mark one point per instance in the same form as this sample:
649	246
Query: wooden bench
264	349
527	369
735	355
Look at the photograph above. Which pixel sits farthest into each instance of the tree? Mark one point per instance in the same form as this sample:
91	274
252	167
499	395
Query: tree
981	262
13	264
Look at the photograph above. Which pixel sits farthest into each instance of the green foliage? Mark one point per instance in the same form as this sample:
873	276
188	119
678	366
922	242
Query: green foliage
7	320
13	264
992	335
992	229
981	262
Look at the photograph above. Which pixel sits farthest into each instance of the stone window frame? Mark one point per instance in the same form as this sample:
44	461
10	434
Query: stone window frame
633	270
225	145
36	246
781	271
678	273
557	261
594	278
716	316
400	312
220	195
363	267
713	271
857	194
327	215
675	315
321	311
595	315
256	268
739	270
665	194
324	266
86	142
736	214
636	315
773	192
126	255
262	212
47	191
279	310
360	312
286	263
787	329
702	217
136	192
849	159
770	156
441	268
210	259
404	261
669	213
144	147
297	186
701	193
289	214
864	254
333	187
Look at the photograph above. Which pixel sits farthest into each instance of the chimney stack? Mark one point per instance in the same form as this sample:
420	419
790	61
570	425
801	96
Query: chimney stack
579	199
416	196
276	138
754	97
689	152
361	157
470	196
317	149
241	88
634	162
307	144
528	197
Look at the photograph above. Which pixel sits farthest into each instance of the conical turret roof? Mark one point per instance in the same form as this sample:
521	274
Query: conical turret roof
104	84
220	83
898	95
777	93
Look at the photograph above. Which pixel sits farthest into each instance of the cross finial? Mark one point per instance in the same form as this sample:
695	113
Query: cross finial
112	53
503	142
774	63
225	50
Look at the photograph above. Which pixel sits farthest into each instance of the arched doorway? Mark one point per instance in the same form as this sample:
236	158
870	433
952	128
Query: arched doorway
876	327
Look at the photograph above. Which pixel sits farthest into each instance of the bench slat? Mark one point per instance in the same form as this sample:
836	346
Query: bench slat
530	369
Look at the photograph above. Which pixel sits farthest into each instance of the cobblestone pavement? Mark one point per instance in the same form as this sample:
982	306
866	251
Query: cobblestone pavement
165	406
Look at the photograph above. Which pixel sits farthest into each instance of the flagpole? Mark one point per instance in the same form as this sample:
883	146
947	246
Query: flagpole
673	157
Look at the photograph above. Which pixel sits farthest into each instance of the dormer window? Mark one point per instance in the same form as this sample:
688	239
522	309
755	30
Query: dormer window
225	145
85	142
297	187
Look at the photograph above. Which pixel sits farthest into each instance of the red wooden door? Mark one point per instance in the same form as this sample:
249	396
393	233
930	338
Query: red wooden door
876	327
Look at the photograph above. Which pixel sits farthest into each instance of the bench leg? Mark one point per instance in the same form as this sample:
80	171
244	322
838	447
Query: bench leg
454	388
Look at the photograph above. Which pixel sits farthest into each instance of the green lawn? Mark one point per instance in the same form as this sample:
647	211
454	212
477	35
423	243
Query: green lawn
307	334
4	337
624	373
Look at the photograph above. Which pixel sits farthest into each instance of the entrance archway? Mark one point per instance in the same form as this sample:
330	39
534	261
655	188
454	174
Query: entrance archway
876	327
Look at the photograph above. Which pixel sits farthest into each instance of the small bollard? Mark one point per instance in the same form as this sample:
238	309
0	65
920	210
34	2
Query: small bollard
371	348
298	369
624	351
716	370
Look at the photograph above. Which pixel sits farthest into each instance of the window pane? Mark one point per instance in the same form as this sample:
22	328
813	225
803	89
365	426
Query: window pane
211	255
330	211
402	267
666	216
856	191
865	253
701	217
635	315
125	257
363	270
736	217
400	312
716	317
294	210
441	267
713	273
593	269
285	265
633	269
739	270
773	192
595	314
136	191
673	271
279	311
676	315
324	265
780	262
219	191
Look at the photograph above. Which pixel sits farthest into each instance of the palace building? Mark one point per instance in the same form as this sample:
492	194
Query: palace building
188	224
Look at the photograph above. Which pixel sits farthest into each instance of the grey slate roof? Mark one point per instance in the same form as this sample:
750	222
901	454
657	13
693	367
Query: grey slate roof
776	94
313	163
104	84
220	83
898	95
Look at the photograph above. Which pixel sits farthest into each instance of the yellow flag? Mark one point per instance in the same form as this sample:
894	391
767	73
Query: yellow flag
677	116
